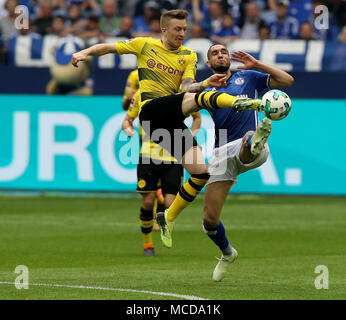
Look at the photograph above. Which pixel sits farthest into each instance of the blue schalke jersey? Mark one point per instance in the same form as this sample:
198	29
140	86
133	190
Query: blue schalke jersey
246	84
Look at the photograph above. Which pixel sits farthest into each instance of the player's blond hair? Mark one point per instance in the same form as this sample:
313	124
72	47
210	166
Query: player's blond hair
172	14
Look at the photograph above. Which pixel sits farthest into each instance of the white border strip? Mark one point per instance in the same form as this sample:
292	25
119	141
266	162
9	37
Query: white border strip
169	294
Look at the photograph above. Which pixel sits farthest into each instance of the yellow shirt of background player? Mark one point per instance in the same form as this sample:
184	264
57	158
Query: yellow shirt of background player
132	83
160	70
149	148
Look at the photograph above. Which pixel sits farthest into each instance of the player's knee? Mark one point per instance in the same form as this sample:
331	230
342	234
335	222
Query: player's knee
200	170
201	176
148	201
169	198
189	104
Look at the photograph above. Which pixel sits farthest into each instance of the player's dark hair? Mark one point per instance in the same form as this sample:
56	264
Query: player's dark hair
179	14
213	45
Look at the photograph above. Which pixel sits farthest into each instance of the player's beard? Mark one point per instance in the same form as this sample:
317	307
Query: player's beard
221	68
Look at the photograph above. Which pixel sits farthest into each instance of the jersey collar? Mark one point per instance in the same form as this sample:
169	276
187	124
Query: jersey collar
163	46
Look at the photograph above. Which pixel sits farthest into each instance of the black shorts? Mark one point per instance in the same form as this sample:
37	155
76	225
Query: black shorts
162	120
169	175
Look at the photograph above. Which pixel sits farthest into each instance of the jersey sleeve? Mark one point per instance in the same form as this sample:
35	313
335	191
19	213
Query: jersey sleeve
261	78
133	110
191	68
133	46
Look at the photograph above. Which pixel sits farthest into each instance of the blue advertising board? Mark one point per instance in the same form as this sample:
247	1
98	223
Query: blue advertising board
76	143
290	55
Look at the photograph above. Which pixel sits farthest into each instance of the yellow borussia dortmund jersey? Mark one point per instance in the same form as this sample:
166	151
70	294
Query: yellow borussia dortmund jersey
132	82
160	70
149	148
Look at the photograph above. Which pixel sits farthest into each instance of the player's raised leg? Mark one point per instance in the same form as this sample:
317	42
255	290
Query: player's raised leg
254	141
216	100
261	136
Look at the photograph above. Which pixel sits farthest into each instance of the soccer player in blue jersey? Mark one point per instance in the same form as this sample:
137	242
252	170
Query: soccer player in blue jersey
242	145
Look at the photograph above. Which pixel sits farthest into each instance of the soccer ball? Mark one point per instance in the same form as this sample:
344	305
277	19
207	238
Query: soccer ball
276	105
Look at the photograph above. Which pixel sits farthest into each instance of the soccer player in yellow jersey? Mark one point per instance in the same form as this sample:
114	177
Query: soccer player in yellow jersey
155	164
164	65
132	85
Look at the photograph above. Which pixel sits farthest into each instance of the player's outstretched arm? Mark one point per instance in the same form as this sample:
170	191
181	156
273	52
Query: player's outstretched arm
127	99
216	80
96	50
278	77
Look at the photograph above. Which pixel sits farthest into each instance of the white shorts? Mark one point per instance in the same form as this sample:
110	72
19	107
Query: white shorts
225	165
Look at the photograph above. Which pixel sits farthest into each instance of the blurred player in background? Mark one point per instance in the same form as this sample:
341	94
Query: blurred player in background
65	79
132	85
243	146
164	66
159	175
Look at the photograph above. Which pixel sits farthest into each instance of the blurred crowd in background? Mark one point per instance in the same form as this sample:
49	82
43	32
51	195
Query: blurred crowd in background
55	29
219	20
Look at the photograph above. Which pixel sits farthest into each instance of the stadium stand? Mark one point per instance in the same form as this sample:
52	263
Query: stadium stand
283	17
300	36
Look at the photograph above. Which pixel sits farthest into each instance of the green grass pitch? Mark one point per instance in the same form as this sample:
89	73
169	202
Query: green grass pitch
87	245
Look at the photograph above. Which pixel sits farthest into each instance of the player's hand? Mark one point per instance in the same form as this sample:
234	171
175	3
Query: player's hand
217	80
127	126
248	60
129	132
78	56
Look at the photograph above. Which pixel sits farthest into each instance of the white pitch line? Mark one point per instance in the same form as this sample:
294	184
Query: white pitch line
168	294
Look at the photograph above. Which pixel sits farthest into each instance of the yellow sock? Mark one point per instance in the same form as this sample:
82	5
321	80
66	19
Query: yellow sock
147	239
186	194
146	227
155	207
214	100
146	223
